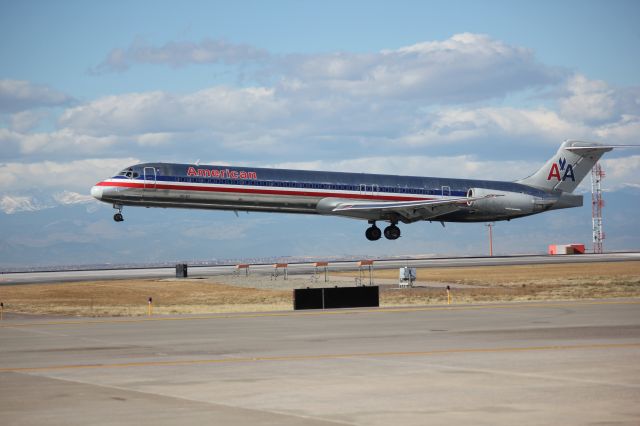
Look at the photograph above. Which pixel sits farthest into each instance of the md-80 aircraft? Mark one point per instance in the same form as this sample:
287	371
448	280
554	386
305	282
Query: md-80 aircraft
370	197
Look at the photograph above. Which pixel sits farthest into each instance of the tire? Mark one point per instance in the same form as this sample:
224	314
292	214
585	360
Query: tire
392	232
373	233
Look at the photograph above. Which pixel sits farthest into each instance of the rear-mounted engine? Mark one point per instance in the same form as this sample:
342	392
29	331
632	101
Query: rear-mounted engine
505	202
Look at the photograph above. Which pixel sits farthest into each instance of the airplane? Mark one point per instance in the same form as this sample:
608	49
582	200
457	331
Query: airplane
371	197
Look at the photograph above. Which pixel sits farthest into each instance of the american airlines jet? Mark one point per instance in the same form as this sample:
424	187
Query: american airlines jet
371	197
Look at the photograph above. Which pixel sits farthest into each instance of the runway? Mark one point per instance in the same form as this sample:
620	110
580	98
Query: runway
516	363
305	268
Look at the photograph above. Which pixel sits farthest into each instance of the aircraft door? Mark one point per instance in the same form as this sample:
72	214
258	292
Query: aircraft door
446	191
149	178
369	189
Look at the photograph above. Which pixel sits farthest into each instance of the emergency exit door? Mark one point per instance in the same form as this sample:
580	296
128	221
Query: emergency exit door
149	178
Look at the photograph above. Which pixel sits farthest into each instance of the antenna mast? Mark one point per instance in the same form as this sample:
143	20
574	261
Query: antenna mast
597	174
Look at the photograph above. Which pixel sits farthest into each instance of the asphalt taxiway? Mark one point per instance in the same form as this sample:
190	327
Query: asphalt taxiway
516	363
305	268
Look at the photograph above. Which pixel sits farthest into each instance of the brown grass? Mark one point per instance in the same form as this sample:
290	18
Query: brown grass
130	297
493	284
518	283
510	274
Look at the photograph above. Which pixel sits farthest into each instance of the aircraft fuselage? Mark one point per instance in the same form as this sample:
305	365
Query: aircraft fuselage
295	191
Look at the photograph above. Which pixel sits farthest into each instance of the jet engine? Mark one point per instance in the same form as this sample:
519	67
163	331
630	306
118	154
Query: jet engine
506	203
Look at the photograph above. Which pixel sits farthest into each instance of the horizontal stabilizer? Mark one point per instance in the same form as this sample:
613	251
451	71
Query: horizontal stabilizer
607	147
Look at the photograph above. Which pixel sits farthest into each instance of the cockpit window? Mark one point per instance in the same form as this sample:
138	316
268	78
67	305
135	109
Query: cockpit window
128	173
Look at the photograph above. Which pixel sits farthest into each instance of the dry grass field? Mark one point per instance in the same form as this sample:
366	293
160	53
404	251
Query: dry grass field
129	298
521	283
472	284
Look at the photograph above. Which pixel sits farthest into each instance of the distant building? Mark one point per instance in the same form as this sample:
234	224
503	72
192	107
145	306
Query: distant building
566	249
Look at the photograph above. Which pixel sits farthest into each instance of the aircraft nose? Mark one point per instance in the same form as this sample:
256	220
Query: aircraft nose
96	192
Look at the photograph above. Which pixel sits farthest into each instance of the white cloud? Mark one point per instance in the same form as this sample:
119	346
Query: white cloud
17	203
20	95
77	175
260	119
26	120
466	67
154	139
613	114
220	108
12	204
460	166
68	197
178	54
627	130
67	142
622	171
458	124
353	100
589	100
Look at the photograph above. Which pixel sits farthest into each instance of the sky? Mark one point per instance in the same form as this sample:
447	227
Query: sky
430	88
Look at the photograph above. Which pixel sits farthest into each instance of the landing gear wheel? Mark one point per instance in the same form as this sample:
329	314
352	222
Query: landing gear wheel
118	217
392	232
373	233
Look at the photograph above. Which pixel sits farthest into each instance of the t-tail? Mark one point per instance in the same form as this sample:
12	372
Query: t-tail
571	164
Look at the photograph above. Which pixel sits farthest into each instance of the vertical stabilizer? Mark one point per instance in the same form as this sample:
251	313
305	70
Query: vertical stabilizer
566	169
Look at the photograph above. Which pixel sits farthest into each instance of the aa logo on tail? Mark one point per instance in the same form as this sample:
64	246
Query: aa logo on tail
561	166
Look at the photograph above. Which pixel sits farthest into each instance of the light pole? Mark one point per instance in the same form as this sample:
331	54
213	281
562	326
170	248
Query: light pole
490	226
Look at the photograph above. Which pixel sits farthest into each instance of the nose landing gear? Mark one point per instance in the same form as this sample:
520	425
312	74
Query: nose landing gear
118	216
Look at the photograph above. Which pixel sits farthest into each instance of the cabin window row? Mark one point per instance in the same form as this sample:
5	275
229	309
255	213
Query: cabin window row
304	185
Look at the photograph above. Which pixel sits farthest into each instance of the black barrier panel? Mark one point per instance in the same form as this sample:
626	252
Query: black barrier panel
336	297
307	298
181	270
351	297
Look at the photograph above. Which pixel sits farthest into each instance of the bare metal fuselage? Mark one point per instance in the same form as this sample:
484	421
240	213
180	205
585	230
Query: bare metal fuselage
309	192
370	197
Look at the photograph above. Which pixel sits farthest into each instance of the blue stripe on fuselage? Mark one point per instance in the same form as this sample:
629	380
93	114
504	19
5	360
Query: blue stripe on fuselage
336	181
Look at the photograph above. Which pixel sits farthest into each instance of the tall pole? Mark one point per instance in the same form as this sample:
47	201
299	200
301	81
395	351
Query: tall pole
596	207
490	226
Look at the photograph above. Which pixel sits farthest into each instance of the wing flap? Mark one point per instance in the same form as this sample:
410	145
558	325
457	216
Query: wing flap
407	211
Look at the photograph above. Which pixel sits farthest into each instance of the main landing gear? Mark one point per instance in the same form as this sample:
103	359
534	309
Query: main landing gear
391	232
118	216
373	233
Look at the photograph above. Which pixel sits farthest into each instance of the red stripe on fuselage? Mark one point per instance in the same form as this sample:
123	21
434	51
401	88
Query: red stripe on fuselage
242	190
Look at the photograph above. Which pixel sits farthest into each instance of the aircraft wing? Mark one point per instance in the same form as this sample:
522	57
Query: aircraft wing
406	211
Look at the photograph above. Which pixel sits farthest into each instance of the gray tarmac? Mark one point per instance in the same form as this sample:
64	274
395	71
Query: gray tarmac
306	268
501	364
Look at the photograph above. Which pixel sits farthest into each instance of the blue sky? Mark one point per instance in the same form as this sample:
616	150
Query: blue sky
468	89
